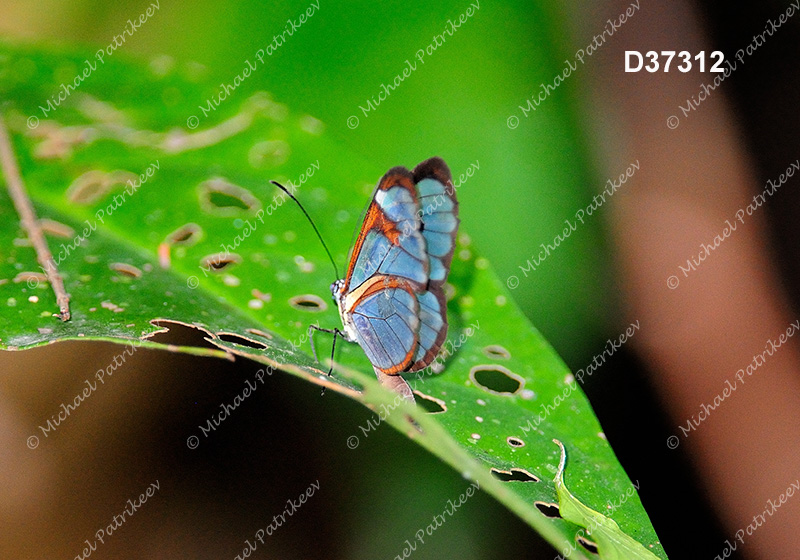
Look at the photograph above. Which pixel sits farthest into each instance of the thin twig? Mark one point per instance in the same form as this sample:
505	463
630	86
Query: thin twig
22	203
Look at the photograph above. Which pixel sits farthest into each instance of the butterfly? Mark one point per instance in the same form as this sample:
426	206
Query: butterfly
391	300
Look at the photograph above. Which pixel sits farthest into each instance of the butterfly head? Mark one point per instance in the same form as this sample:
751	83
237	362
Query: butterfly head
336	289
339	296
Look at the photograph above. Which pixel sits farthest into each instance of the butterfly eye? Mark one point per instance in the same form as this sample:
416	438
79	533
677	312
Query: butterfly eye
336	287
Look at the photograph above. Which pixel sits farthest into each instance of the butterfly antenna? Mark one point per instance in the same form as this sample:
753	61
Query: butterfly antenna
284	189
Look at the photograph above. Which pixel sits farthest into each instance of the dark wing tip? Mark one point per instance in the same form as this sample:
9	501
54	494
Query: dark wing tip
397	176
434	167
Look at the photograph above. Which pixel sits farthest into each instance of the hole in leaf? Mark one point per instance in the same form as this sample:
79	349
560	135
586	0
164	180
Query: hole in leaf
260	333
497	352
94	185
240	340
587	544
219	261
308	302
120	177
88	188
549	510
514	475
220	197
496	379
180	334
57	229
515	441
126	270
187	234
429	404
224	200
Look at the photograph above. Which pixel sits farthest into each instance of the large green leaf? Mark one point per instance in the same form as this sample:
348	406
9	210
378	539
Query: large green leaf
138	259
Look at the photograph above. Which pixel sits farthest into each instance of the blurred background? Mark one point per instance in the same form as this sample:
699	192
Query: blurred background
537	168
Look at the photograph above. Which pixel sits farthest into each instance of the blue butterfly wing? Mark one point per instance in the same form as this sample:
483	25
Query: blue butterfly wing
390	242
386	322
439	215
399	265
389	265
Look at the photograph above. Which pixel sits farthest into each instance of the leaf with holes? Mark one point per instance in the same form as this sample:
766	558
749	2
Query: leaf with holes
153	225
609	540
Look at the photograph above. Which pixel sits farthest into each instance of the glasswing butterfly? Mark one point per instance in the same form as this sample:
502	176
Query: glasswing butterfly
391	300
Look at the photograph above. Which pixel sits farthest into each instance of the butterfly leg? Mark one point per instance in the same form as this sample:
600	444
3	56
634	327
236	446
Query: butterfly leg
335	332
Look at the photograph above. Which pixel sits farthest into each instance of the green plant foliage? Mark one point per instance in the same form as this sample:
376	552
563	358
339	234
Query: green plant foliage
153	223
612	543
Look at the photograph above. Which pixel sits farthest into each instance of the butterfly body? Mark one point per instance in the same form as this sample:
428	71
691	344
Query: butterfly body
391	301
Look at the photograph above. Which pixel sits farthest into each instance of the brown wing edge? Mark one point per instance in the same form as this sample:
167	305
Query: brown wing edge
436	168
441	336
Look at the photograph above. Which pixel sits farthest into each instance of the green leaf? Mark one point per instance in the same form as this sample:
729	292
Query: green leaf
140	207
612	543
